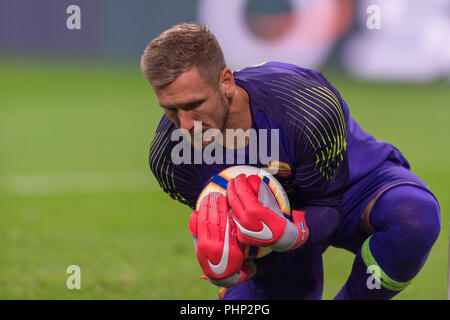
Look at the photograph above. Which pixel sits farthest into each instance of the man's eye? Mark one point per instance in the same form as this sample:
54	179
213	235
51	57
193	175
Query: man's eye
192	106
171	110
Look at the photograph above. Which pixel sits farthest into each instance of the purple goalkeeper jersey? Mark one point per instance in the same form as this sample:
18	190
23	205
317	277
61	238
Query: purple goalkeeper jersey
322	150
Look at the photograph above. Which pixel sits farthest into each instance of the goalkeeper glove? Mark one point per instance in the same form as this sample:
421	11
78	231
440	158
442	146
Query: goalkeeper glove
259	219
220	255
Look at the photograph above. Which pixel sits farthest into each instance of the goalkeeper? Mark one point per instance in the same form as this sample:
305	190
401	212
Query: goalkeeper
346	188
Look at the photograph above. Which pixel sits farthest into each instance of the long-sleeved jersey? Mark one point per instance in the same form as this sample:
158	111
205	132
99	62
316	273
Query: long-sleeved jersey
321	149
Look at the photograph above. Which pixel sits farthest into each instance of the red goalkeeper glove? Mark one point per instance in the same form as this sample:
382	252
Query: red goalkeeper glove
220	255
259	219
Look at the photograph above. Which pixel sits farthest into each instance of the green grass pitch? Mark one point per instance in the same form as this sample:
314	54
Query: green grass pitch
75	187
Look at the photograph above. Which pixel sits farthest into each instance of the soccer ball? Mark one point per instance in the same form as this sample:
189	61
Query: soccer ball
219	183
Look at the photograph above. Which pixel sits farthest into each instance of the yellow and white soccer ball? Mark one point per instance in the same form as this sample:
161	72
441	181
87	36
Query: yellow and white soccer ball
219	183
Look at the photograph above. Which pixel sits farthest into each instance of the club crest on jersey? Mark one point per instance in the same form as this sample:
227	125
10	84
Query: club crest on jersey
222	292
280	169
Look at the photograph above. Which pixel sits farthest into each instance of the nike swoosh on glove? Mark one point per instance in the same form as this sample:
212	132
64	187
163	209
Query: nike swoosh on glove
259	219
219	253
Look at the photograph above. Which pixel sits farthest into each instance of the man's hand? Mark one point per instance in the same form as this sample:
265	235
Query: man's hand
259	219
219	253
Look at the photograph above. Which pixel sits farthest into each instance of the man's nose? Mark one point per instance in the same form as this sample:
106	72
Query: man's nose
186	120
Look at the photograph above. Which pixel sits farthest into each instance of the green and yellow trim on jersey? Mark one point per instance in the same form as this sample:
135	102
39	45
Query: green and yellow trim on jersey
162	167
316	111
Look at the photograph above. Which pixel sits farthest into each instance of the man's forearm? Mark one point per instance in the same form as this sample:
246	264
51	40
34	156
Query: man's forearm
322	222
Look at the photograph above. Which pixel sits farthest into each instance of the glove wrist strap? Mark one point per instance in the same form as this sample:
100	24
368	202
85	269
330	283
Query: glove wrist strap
298	218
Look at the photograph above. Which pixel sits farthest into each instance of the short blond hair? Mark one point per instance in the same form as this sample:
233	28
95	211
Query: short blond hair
179	49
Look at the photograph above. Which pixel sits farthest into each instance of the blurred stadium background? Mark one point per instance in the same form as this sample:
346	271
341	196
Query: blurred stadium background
77	118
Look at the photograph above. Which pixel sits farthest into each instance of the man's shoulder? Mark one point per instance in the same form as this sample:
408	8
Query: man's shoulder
165	125
161	143
267	82
290	95
162	134
179	181
274	69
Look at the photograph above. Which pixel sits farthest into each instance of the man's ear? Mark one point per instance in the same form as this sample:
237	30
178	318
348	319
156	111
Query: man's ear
227	84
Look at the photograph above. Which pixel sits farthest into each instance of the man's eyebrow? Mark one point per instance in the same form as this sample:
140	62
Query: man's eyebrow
186	105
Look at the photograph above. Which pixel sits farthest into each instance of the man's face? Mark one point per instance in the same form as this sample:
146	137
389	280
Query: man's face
189	98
